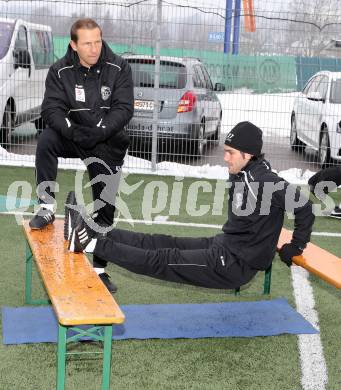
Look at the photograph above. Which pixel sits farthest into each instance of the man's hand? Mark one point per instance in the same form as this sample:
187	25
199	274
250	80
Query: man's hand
287	252
87	137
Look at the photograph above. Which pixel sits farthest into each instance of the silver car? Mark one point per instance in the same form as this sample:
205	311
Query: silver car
189	112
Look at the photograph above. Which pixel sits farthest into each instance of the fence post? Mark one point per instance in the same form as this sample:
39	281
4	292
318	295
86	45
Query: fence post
156	83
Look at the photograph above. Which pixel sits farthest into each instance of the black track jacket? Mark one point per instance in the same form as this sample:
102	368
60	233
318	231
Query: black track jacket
258	199
106	101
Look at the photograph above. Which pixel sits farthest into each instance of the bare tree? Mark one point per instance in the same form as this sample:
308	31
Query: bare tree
134	26
108	27
315	24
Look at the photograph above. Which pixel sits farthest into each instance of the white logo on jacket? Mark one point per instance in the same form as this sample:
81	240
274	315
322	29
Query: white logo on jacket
79	93
105	92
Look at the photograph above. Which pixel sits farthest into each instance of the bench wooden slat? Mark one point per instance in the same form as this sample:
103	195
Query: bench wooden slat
77	294
316	260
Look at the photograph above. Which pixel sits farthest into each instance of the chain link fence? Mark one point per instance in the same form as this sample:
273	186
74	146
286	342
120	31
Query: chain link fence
217	62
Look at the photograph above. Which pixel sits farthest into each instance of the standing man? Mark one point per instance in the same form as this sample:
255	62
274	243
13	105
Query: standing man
258	200
88	100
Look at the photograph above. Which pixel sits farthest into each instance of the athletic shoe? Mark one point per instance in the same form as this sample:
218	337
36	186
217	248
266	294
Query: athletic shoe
336	213
81	234
43	217
105	278
71	214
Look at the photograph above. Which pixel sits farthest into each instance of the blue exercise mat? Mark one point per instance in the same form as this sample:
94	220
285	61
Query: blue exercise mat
169	321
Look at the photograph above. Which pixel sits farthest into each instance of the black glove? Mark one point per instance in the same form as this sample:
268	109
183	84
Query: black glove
87	137
287	252
63	126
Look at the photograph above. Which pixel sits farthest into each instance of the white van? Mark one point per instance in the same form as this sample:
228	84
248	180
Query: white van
26	53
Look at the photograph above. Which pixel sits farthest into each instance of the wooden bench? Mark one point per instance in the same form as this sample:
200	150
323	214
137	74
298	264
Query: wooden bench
316	260
77	294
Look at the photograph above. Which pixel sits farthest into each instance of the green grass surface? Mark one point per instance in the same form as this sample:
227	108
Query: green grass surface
258	363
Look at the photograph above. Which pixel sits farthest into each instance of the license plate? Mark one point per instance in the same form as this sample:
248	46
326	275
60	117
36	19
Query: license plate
144	105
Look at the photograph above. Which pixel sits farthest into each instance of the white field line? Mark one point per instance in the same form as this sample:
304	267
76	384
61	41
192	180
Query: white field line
313	364
165	222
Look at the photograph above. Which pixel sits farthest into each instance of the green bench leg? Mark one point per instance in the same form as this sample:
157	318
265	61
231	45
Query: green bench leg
105	337
61	357
107	357
28	275
28	280
267	281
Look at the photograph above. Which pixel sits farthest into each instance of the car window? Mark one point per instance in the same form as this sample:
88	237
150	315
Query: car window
314	85
42	49
196	78
323	86
335	91
48	42
199	77
6	31
172	74
21	40
207	78
307	86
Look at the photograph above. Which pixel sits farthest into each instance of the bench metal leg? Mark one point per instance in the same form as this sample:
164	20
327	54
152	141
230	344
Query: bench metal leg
107	357
267	281
101	333
28	280
61	357
28	275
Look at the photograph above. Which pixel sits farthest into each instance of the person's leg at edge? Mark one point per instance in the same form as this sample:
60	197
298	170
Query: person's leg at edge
104	189
50	146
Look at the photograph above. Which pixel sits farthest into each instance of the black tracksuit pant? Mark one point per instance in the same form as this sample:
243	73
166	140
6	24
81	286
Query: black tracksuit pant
51	146
197	261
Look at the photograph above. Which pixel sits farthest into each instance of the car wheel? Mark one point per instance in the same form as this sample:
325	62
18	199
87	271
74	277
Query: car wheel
200	142
324	149
7	127
39	125
295	143
216	136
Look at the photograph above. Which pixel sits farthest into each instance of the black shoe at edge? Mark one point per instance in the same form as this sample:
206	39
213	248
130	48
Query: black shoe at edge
42	218
82	233
336	213
105	278
71	214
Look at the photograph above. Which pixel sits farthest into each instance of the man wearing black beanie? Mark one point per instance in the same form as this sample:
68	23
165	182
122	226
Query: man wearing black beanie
256	206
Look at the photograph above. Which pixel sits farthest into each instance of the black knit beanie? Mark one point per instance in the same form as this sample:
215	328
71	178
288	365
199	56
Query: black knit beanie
245	137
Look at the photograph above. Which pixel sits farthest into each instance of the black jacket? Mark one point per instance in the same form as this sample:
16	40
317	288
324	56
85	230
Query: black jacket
107	91
258	199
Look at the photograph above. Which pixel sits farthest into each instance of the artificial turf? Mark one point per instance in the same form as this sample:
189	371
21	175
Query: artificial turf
230	363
